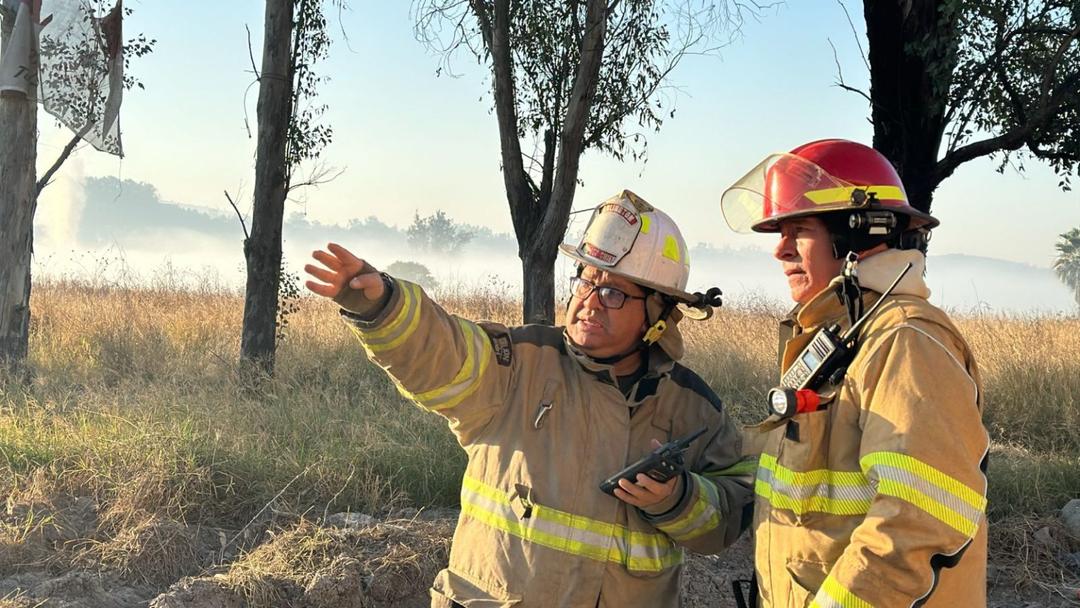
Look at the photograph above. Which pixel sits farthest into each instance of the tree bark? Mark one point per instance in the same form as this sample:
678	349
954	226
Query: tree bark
18	201
909	89
262	250
540	217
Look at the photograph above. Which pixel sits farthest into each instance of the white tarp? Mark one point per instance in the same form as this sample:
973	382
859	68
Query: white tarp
18	62
81	65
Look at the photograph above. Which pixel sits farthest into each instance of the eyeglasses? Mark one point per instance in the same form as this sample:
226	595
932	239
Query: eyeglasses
609	297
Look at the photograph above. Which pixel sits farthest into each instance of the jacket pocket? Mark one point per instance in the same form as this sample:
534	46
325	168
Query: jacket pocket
806	577
660	429
451	586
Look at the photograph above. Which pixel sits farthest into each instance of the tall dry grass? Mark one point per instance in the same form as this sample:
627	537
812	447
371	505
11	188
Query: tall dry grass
134	401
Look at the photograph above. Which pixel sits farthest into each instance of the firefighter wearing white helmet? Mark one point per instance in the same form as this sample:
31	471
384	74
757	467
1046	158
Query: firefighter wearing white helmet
546	414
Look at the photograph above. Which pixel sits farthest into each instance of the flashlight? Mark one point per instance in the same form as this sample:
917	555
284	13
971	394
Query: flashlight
786	402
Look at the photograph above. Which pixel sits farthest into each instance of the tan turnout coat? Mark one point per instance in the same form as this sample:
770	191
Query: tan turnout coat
542	426
878	500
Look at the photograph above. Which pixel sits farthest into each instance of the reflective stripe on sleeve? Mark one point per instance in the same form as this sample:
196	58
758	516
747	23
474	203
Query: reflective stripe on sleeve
744	467
833	595
699	519
914	481
391	334
478	355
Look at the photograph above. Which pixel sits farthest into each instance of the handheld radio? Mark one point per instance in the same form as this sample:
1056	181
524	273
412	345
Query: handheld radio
661	464
827	355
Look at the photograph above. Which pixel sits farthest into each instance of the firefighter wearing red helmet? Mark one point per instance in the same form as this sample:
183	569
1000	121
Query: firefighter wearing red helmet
874	494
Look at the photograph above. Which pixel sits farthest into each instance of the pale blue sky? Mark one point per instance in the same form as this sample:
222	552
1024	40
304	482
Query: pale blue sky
412	142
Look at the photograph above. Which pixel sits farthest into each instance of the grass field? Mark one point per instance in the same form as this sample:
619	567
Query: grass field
135	399
134	402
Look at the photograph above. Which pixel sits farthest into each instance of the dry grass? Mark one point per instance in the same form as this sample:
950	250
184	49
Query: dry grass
383	562
1037	546
134	404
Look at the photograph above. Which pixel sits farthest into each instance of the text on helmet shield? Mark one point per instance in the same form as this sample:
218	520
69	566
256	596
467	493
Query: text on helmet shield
611	233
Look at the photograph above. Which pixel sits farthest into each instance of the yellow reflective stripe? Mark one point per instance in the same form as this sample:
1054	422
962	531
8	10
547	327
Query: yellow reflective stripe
811	478
926	472
645	223
942	513
821	490
828	196
929	489
816	503
746	466
467	380
532	535
408	299
568	519
557	530
700	519
834	595
401	328
671	248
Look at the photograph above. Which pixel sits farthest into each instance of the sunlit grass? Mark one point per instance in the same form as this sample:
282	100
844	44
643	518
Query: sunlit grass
134	400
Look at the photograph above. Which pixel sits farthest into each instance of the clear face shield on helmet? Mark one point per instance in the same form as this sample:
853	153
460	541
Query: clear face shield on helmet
786	185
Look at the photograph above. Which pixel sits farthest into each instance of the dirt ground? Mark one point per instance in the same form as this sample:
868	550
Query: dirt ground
359	563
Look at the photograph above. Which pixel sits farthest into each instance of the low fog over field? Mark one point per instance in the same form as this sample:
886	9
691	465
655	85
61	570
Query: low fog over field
102	228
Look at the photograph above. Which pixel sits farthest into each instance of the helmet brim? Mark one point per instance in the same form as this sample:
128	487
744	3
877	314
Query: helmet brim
683	296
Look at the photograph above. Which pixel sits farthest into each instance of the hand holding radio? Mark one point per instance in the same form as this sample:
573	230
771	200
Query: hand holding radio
659	468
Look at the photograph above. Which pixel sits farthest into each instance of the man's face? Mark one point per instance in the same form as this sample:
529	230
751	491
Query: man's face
805	250
605	332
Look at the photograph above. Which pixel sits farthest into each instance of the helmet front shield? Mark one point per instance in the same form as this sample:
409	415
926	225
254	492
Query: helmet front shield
782	185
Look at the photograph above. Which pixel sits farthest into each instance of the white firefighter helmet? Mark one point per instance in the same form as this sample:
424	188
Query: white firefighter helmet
628	237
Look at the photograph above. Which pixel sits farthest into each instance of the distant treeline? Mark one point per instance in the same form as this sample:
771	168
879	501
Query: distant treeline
115	208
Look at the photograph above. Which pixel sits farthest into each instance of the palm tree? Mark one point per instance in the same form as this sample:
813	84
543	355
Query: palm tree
1067	264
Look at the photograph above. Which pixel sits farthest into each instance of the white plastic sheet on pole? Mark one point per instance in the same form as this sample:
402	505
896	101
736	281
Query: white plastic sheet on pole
19	60
80	64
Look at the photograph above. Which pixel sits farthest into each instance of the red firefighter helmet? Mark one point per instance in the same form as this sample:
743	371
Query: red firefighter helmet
822	176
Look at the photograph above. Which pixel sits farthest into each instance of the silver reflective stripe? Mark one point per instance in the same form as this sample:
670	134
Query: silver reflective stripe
593	539
478	354
823	489
701	519
943	497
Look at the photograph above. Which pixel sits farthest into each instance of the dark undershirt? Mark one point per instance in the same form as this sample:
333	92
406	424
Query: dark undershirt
626	383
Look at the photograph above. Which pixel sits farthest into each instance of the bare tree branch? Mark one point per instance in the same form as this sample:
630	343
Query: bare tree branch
64	154
238	215
840	77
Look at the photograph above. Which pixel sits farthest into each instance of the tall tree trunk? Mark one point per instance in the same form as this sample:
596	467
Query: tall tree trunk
539	286
18	201
262	250
909	85
540	218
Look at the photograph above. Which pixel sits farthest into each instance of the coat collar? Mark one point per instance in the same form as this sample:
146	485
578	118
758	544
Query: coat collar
659	365
876	273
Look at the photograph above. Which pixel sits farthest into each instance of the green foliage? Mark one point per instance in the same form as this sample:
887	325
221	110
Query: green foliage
311	43
1067	263
289	295
1017	72
645	41
414	272
438	233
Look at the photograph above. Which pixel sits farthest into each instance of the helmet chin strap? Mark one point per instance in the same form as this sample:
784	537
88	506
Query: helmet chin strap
651	336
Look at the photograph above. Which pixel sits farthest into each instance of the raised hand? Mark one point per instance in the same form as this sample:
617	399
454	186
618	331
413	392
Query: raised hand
348	280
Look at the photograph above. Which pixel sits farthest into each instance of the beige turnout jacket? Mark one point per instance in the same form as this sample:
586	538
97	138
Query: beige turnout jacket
879	499
542	426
